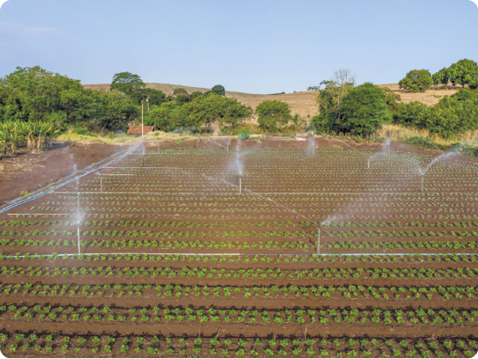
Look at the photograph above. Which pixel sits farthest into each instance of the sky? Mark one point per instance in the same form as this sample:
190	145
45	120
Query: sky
254	46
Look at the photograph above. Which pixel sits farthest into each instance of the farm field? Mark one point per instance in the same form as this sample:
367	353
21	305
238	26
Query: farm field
225	248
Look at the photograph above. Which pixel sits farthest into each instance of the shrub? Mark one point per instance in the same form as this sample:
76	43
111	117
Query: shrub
416	81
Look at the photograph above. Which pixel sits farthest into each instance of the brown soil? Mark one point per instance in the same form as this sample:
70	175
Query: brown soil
361	195
31	171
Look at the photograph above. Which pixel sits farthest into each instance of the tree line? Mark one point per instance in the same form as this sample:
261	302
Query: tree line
362	110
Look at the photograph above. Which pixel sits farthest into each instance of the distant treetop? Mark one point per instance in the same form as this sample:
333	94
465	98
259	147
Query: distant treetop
219	90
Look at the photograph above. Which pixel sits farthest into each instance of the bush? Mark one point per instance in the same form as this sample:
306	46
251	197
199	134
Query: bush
410	114
273	115
364	110
416	81
474	83
244	135
219	90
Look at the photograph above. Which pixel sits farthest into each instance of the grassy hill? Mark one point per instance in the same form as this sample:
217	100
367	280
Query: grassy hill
302	103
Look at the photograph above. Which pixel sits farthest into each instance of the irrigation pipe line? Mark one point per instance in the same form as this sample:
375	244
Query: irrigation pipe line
243	254
8	208
272	193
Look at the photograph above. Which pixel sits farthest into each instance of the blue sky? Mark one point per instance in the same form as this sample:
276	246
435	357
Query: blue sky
256	46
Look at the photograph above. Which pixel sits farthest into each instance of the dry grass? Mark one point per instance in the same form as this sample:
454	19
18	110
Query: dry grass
400	133
302	103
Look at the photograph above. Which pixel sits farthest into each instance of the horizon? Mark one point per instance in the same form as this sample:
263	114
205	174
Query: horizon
258	48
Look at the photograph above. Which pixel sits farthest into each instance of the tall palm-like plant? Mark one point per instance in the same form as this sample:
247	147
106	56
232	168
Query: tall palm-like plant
9	137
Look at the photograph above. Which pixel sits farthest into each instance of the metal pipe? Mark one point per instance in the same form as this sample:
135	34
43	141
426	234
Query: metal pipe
245	254
422	183
101	179
6	209
318	242
368	163
240	185
78	214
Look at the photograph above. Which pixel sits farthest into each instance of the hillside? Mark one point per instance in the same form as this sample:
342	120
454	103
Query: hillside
302	103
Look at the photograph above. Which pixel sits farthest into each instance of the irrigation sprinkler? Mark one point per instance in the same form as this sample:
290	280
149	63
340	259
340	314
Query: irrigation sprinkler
240	184
227	149
368	163
423	177
101	183
318	241
78	214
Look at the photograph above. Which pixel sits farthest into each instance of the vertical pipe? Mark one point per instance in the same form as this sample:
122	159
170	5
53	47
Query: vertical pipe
318	242
78	214
240	185
368	163
101	179
227	149
422	183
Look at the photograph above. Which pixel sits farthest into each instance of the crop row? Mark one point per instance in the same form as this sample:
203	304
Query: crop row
164	245
85	346
238	315
273	291
230	224
401	245
153	272
410	258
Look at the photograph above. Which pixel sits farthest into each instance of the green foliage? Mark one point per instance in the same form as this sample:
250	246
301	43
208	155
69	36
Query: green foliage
474	83
220	110
38	96
155	97
219	90
391	99
453	115
364	110
244	135
416	81
441	77
167	117
410	114
462	72
179	90
273	115
130	84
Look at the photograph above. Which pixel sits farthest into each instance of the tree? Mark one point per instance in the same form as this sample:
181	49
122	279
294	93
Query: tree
219	90
130	84
416	81
391	99
330	100
364	110
273	115
33	93
474	83
218	110
441	77
298	123
156	97
463	71
168	117
410	114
